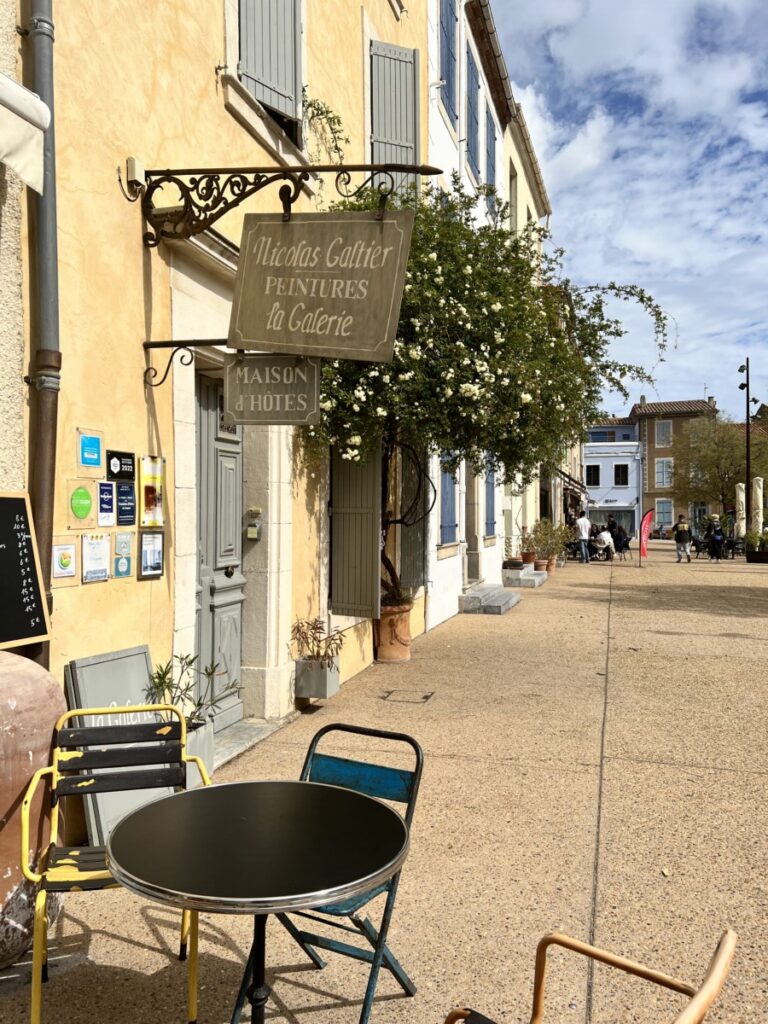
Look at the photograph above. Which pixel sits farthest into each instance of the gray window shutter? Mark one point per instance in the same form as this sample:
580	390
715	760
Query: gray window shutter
270	53
394	105
356	536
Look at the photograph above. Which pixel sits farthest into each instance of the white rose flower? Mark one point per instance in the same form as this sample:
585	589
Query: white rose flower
355	439
496	307
433	256
525	398
380	411
468	270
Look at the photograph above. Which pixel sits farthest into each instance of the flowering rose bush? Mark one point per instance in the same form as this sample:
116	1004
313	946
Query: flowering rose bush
499	360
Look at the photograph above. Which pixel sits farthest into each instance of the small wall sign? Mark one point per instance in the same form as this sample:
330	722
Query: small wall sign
151	554
82	504
121	465
90	452
122	566
106	513
322	284
95	557
151	491
126	504
271	389
64	561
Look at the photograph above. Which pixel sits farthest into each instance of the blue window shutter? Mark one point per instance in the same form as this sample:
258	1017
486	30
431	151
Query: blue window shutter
490	504
356	536
394	106
448	30
473	115
270	54
490	156
448	525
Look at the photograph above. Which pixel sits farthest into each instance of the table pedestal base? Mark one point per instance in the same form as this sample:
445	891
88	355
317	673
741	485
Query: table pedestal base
254	985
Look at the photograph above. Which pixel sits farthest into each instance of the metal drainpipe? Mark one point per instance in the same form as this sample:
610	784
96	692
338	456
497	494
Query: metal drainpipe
45	355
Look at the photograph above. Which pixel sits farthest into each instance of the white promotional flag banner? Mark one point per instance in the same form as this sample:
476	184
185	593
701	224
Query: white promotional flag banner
23	121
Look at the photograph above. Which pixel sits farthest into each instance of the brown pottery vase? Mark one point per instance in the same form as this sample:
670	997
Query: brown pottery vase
392	633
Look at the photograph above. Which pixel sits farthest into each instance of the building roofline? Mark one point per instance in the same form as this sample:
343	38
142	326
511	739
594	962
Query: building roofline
510	112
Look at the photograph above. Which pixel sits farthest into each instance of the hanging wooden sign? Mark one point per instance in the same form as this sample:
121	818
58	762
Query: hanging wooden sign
273	389
321	284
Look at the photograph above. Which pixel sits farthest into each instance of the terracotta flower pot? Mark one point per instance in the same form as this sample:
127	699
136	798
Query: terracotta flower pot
529	557
551	565
392	633
540	564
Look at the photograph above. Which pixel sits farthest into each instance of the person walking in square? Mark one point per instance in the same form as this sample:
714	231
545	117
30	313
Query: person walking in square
583	533
682	539
715	536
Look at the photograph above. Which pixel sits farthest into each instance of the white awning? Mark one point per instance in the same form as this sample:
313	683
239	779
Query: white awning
23	121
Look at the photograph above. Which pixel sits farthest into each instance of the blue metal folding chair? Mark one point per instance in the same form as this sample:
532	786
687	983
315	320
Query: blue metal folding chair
386	783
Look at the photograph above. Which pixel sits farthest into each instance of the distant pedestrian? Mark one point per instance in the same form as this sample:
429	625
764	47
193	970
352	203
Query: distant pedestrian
583	531
604	543
682	538
715	537
612	527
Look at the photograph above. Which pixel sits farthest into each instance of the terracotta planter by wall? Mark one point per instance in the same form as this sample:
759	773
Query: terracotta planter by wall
392	633
551	565
529	557
540	564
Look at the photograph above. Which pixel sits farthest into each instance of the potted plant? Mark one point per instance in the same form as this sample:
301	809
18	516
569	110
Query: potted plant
756	545
528	548
392	629
511	561
317	666
546	542
193	690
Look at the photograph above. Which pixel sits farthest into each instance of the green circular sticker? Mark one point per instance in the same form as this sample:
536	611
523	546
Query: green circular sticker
81	503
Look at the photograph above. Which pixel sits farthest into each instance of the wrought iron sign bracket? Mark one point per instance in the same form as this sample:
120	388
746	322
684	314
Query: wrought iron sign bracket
205	195
185	358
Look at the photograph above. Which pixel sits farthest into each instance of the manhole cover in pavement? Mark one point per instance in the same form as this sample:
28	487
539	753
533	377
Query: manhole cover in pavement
406	696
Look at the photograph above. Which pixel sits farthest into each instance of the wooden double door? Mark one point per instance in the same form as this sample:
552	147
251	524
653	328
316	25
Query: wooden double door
220	581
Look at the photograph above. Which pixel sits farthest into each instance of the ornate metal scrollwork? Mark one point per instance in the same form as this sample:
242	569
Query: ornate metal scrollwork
186	358
206	195
385	186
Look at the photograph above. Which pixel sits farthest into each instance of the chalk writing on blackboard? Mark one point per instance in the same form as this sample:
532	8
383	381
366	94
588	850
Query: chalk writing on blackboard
23	609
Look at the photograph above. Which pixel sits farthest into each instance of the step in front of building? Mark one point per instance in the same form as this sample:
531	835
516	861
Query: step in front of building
488	599
525	577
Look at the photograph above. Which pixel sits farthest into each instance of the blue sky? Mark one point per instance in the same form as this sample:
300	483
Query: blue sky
650	120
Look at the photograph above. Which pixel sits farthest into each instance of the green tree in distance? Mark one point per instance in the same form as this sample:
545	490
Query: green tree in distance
710	459
499	361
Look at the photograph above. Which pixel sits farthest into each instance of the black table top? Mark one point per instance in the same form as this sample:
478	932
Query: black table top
257	847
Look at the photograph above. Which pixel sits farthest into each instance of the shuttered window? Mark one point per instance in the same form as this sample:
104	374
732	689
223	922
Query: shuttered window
270	57
473	115
355	536
448	523
448	64
490	157
490	504
414	501
394	106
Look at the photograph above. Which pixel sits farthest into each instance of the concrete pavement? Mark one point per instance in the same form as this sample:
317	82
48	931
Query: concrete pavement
596	762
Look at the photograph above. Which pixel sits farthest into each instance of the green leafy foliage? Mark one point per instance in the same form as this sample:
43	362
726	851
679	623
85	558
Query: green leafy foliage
499	359
180	682
710	459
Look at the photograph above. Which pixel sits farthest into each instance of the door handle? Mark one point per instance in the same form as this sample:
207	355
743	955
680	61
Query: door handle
229	572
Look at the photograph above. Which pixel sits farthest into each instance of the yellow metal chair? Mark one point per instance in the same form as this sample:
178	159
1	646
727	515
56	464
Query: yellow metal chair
152	754
700	1001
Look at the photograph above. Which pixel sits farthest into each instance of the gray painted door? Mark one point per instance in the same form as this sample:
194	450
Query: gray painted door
220	582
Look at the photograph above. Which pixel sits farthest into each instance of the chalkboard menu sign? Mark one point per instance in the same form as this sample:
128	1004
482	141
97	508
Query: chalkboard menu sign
23	611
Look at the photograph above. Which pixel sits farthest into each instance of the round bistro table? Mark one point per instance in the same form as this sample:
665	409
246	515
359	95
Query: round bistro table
257	848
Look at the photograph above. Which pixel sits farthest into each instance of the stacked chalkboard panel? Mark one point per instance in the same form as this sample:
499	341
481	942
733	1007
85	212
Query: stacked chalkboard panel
23	609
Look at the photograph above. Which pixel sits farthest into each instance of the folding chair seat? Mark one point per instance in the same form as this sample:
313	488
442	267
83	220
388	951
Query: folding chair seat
700	1001
91	759
385	783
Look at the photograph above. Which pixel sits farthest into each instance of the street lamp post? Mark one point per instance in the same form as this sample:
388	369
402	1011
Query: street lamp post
744	386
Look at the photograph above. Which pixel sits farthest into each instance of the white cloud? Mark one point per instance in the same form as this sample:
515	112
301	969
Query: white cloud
651	124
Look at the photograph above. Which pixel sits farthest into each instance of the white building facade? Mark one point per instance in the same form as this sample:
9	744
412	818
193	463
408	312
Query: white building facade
612	461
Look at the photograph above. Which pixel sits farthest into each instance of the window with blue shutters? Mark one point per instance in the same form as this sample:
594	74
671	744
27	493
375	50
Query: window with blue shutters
394	106
449	526
448	64
473	115
490	504
270	59
490	157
